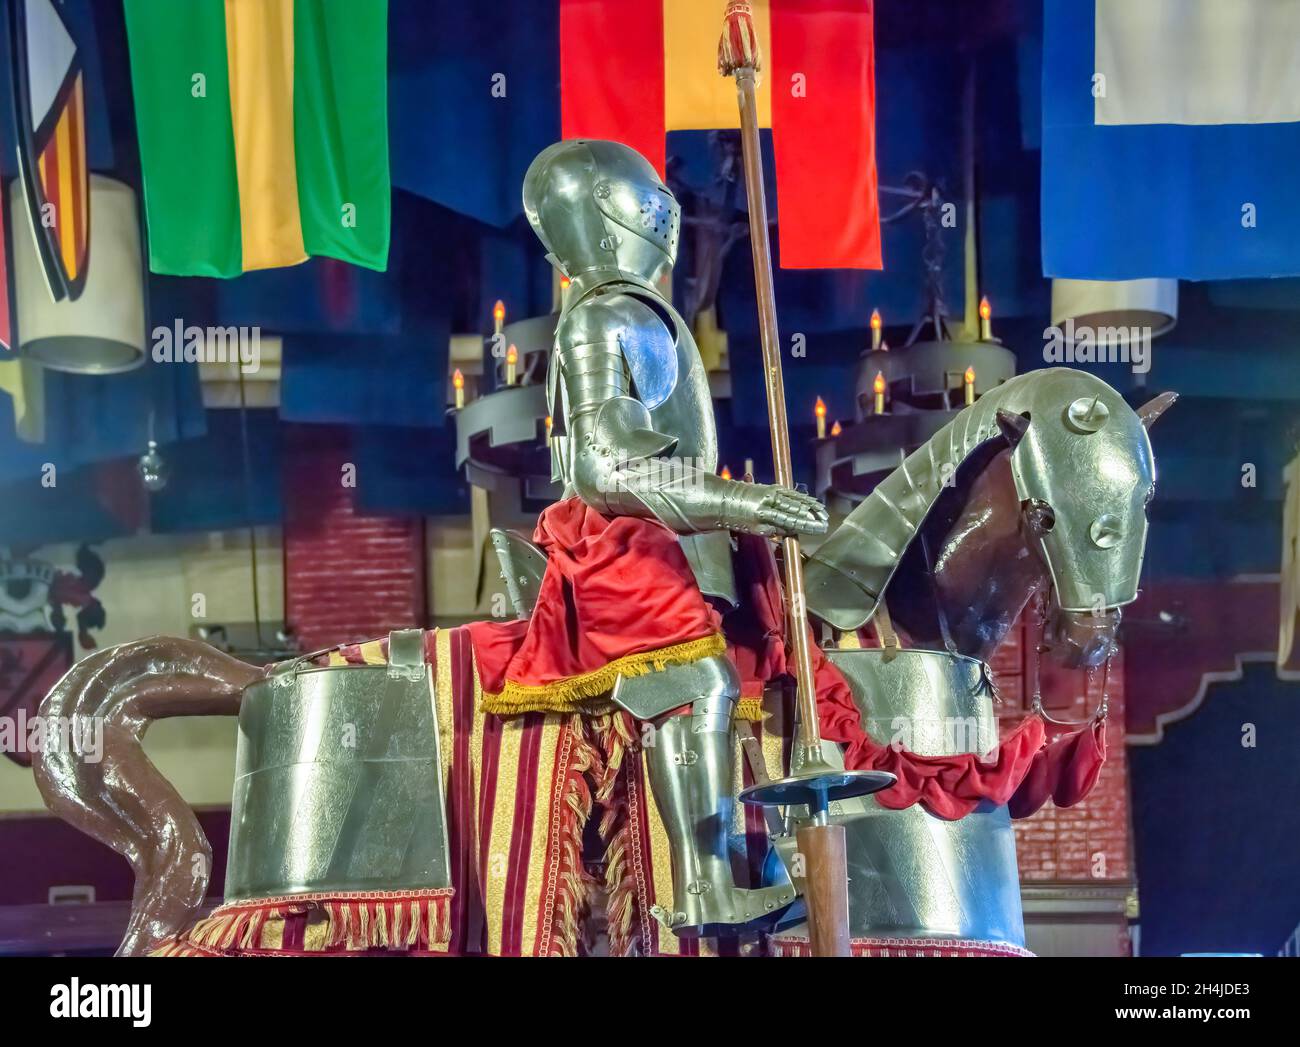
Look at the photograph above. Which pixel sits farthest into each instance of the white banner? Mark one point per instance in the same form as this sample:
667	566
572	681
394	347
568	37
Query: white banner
1197	61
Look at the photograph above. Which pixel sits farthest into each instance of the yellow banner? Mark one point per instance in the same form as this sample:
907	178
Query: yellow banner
696	95
259	51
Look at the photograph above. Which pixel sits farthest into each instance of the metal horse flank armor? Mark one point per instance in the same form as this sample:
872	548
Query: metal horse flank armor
1072	417
338	780
634	435
911	874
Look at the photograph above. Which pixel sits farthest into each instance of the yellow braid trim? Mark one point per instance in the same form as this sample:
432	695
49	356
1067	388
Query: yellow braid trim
574	694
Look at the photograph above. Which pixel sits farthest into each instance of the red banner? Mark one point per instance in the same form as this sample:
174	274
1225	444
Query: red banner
819	75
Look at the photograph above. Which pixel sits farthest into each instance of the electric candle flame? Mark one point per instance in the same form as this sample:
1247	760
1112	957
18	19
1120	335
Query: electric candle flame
458	383
564	283
877	326
726	473
969	378
986	320
498	316
836	430
512	363
549	424
820	411
878	387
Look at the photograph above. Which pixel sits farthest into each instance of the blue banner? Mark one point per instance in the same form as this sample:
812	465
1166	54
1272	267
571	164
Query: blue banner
1126	195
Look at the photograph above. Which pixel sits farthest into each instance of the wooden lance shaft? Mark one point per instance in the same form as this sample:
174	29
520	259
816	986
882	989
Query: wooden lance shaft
822	845
809	739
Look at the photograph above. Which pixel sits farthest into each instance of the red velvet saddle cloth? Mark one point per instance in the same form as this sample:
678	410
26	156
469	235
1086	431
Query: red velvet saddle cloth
618	597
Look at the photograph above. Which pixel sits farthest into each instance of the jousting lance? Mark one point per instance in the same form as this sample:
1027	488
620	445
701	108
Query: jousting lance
812	781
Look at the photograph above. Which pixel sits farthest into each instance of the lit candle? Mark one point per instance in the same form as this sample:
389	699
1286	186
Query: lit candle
512	364
498	316
726	473
878	387
970	385
549	423
836	430
877	328
564	288
820	411
458	383
986	320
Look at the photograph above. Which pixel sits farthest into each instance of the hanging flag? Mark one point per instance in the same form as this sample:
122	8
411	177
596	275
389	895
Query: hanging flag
631	70
1171	132
263	132
51	114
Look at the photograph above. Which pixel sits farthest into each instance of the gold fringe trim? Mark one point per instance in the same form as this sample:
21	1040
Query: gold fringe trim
571	695
572	902
400	921
750	709
618	737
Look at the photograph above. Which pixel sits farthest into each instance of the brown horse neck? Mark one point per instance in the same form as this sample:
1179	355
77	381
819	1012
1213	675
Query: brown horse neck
983	570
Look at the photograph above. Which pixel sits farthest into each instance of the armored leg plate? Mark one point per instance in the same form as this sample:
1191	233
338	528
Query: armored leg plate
691	774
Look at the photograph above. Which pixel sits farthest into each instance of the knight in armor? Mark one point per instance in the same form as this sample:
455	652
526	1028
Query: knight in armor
640	542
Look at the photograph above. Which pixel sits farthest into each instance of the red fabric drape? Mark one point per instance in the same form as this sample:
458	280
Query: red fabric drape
1064	771
612	73
614	586
947	786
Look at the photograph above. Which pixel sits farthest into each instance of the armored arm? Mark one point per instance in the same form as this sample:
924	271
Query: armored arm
620	465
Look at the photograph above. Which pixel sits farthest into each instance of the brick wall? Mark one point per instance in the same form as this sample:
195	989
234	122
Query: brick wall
348	576
1089	841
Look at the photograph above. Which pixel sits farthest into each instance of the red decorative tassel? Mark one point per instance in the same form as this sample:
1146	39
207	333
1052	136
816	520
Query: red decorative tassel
738	48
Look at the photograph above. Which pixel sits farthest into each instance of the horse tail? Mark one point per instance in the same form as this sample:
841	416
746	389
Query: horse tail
113	792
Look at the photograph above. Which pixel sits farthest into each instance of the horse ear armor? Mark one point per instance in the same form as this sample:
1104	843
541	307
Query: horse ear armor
1013	425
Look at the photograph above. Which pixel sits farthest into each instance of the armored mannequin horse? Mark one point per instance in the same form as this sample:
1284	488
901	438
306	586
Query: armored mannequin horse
981	558
373	808
944	555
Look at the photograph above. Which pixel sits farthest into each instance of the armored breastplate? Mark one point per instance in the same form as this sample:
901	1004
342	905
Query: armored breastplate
668	377
338	780
667	373
912	875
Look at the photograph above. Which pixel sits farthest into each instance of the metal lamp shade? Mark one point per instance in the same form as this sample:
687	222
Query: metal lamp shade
103	330
1111	308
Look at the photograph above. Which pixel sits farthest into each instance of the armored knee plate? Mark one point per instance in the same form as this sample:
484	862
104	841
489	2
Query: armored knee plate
338	783
691	773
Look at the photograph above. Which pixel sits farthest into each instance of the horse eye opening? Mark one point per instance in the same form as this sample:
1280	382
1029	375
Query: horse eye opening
1042	515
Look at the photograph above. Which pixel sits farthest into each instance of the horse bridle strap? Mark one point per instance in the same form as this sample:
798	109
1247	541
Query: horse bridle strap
884	627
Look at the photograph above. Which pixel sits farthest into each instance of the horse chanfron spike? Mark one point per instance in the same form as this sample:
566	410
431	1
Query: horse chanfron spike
1013	425
1155	407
